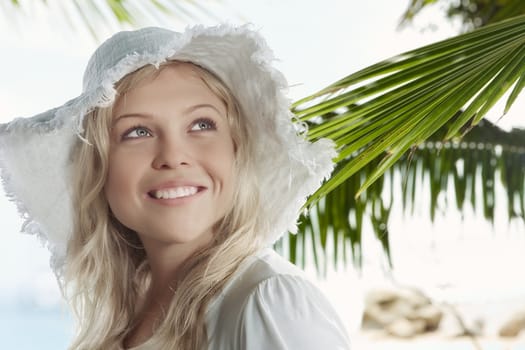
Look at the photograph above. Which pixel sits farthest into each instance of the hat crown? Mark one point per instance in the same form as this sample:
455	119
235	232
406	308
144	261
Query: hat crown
120	46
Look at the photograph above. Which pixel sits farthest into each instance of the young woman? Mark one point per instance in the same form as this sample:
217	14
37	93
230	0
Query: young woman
160	188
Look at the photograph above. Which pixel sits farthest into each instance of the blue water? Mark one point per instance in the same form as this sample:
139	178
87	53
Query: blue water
31	328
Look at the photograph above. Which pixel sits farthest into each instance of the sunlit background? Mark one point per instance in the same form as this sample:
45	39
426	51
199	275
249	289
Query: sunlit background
463	261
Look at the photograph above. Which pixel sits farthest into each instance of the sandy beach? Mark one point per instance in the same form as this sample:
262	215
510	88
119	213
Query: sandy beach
366	340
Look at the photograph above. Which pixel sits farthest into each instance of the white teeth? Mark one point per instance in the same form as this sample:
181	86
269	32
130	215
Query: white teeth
173	193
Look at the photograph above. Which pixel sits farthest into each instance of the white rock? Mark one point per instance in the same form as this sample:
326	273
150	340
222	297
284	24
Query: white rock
514	325
404	328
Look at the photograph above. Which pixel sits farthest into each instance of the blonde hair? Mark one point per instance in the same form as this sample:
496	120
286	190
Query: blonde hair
106	266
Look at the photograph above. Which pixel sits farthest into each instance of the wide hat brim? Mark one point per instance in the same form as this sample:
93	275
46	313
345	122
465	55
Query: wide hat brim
35	152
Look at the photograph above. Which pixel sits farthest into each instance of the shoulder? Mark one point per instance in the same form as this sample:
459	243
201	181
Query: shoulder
271	304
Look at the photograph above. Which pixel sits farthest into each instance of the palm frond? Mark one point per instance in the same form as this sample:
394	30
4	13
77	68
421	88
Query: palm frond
465	171
473	13
97	16
410	116
396	104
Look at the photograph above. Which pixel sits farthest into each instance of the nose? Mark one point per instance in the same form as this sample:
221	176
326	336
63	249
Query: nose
171	153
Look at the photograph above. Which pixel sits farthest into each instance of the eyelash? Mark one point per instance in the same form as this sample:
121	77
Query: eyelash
125	135
212	125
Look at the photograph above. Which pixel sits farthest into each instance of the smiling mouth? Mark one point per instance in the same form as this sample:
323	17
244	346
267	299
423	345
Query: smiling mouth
173	193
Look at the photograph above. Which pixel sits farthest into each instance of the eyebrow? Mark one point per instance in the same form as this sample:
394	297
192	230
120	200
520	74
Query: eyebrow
130	115
202	105
149	116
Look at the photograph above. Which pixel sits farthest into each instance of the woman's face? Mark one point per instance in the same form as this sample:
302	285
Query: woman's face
171	159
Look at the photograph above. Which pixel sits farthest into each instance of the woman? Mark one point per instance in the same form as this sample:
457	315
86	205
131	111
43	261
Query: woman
159	189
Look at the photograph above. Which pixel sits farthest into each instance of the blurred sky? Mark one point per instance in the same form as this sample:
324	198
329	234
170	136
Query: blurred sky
317	42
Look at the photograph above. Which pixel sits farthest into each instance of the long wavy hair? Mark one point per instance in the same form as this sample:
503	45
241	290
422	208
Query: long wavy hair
107	272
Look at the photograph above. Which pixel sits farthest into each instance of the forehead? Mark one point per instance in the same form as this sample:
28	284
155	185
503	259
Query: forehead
180	83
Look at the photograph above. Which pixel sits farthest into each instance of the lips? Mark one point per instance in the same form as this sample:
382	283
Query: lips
173	193
175	189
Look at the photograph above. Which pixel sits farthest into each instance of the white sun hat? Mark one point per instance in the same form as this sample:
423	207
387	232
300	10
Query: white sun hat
35	152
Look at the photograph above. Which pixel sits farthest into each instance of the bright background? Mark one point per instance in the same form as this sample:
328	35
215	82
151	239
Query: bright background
317	42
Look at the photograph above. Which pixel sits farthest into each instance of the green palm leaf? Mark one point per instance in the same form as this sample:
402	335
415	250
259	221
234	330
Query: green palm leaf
404	100
468	169
409	115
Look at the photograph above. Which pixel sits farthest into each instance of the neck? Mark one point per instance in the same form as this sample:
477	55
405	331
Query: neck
166	262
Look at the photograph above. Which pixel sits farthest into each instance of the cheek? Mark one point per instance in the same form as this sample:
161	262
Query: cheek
224	159
218	158
113	189
120	178
226	165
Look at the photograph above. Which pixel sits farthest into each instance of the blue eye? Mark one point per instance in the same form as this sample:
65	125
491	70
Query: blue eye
203	124
136	132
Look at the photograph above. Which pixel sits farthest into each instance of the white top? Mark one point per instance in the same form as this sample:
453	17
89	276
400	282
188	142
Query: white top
269	304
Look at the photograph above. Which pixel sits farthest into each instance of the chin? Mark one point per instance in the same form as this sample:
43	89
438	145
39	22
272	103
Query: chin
181	236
